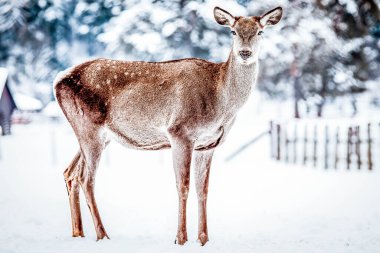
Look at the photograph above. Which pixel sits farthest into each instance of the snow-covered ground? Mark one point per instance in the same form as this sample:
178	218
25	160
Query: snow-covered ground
255	204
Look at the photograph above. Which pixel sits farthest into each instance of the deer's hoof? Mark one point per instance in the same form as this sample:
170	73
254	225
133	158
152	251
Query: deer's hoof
101	233
181	238
202	239
78	233
102	237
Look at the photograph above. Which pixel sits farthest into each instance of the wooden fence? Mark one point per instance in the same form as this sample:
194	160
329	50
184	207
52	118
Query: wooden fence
326	145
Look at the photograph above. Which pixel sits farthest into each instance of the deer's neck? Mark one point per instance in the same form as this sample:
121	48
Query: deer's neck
238	81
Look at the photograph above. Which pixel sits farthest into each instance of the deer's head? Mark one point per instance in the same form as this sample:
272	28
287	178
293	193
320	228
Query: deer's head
247	31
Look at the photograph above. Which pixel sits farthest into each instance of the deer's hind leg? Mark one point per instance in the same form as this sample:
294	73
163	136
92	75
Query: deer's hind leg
86	111
72	185
92	144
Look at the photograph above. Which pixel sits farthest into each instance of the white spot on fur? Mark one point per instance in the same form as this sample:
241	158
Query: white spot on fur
108	81
126	73
115	76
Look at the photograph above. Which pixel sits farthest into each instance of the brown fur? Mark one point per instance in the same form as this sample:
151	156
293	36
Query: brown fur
188	105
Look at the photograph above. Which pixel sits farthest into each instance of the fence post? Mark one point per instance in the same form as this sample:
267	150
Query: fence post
326	147
349	135
357	146
315	146
305	146
337	148
369	152
278	142
286	137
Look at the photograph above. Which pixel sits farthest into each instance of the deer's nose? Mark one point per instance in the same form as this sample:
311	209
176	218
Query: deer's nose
245	54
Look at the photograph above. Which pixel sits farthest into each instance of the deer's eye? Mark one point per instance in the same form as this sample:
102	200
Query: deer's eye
260	33
233	32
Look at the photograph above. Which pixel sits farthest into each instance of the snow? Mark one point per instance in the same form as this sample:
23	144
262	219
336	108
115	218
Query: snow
149	42
168	29
255	204
3	79
27	103
52	110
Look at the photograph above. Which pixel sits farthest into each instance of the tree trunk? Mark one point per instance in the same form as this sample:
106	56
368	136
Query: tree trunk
297	97
323	93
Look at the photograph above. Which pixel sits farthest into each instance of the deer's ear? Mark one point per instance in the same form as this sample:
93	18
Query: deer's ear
272	17
223	17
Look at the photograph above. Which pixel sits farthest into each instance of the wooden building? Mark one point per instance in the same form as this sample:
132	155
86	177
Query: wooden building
7	103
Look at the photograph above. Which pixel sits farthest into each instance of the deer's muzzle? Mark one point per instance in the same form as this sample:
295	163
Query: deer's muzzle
245	54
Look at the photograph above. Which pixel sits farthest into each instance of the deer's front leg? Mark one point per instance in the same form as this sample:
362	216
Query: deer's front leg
202	163
182	149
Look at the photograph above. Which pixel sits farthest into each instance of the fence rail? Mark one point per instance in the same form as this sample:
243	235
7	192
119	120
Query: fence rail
324	145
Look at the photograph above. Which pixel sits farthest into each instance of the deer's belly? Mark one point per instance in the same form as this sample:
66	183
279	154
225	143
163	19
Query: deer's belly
156	139
139	139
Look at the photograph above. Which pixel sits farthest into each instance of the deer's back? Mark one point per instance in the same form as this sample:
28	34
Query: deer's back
131	96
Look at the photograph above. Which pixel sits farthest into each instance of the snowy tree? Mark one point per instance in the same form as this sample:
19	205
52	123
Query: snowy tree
317	61
162	30
40	38
320	50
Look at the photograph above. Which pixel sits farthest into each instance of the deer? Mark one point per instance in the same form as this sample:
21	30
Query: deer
188	105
